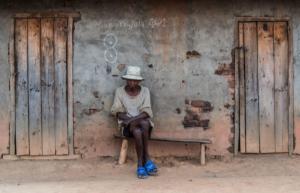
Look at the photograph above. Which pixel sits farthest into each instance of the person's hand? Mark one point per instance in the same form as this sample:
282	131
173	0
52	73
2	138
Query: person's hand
122	116
126	122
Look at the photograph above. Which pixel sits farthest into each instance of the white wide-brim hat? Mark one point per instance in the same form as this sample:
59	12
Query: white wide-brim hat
133	73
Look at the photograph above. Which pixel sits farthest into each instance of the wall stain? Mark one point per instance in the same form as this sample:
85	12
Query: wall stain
178	110
96	94
90	111
150	65
192	54
121	67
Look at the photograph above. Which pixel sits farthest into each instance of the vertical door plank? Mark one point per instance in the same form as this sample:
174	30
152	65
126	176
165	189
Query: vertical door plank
12	90
22	140
291	90
70	85
251	90
266	86
236	94
242	89
281	86
60	38
47	81
34	87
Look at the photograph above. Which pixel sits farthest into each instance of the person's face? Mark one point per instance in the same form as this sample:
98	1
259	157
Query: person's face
133	83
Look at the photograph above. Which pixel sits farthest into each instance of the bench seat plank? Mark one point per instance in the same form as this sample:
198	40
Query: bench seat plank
203	141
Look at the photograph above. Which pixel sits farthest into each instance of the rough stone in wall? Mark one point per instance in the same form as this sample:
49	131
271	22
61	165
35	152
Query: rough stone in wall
195	113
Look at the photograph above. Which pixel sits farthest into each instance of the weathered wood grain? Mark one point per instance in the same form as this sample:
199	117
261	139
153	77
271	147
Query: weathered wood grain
34	82
291	89
123	151
281	86
70	85
12	89
22	138
60	55
236	94
251	88
266	86
47	86
242	89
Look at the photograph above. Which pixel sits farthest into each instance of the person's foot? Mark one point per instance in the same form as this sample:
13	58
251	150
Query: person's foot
141	172
151	168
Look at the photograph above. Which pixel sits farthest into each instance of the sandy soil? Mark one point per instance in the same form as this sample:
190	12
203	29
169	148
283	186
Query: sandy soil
255	173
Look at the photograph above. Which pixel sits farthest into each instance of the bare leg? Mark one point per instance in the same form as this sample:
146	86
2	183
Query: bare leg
137	134
145	135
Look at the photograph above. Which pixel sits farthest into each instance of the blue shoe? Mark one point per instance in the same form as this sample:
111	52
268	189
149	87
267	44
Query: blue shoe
151	168
141	173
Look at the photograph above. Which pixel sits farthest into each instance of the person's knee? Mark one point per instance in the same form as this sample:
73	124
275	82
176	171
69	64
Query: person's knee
145	124
136	132
134	124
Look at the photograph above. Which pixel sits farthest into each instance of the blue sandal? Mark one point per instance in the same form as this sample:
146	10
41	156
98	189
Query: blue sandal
141	173
151	168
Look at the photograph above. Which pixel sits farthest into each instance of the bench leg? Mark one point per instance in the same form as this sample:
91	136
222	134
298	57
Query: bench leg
202	154
123	151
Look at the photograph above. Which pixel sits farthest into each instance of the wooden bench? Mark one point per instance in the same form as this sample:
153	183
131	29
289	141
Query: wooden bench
202	142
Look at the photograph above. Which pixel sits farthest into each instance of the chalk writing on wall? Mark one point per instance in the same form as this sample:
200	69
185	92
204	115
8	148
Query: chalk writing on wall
133	24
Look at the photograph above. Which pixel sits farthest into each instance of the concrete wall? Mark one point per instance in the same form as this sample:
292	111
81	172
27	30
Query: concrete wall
184	49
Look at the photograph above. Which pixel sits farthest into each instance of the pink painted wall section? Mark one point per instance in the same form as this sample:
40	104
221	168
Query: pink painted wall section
4	133
297	134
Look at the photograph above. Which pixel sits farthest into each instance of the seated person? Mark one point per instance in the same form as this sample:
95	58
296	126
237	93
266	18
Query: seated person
132	107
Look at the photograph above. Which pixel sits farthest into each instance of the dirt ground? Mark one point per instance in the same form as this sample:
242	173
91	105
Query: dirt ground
254	173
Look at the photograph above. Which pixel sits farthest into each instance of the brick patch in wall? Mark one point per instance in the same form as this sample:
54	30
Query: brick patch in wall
195	113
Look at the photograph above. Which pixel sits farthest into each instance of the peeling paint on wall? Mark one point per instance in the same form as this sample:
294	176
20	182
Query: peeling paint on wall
227	70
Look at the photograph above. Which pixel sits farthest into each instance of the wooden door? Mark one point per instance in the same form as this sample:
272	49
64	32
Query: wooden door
41	97
263	68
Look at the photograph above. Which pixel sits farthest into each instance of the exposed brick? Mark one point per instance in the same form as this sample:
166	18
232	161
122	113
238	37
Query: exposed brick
205	106
196	123
193	110
194	116
224	69
188	117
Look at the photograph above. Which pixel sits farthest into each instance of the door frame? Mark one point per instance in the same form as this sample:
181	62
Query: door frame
290	79
72	17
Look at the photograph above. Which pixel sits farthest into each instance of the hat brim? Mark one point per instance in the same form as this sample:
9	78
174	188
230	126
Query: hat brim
131	77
